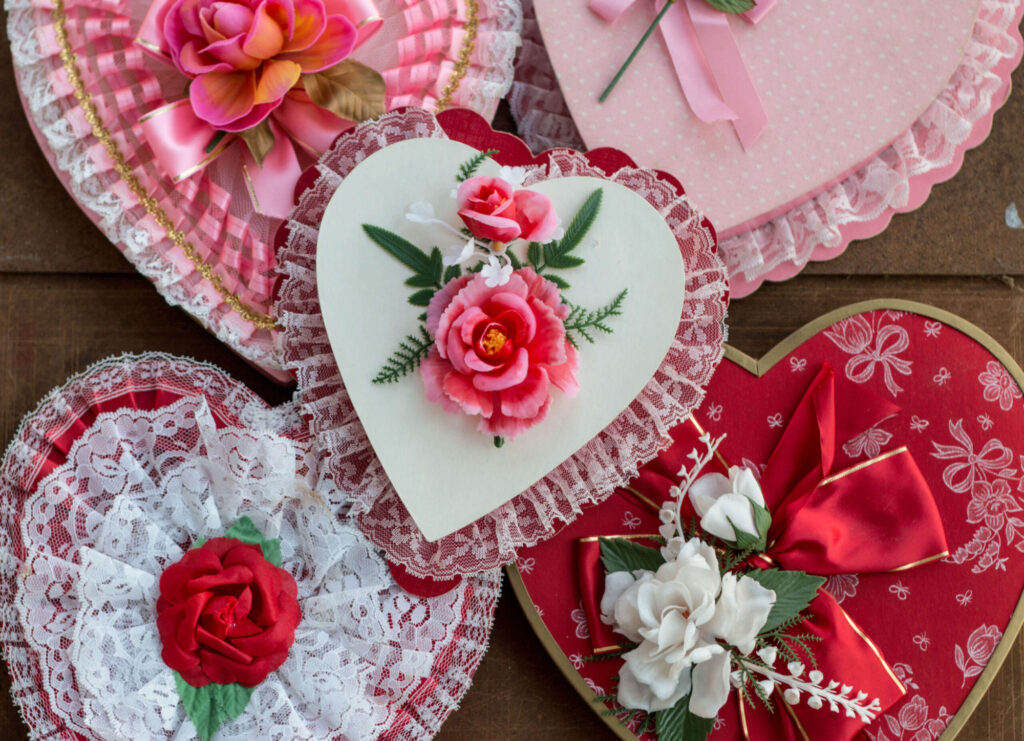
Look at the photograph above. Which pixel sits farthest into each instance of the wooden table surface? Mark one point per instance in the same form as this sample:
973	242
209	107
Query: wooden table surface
68	299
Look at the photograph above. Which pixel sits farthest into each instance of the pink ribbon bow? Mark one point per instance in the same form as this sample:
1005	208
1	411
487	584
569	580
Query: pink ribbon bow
184	144
707	61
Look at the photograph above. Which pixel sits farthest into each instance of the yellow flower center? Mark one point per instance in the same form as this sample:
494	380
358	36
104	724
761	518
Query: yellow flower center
492	341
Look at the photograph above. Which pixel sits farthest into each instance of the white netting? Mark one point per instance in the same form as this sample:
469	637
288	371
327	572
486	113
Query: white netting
811	230
127	491
589	476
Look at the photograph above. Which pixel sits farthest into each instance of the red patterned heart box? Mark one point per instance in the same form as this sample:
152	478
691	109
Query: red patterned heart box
941	627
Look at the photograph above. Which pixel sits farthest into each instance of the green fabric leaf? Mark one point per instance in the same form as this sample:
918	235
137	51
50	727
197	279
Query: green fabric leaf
402	249
212	705
421	281
245	531
513	260
470	166
794	591
453	272
422	298
436	265
562	261
731	6
533	253
407	358
623	554
560	282
581	222
679	724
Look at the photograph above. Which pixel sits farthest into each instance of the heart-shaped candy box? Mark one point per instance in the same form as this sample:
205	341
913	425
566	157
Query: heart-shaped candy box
942	627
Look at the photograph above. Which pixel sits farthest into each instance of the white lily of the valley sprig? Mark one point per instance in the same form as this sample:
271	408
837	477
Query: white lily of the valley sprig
499	266
837	695
671	511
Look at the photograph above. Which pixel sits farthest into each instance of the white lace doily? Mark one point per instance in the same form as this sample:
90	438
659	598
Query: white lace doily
83	550
897	178
589	476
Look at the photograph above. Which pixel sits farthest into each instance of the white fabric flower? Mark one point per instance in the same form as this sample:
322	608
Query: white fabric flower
494	273
514	176
458	253
742	610
420	212
718	500
663	611
682	616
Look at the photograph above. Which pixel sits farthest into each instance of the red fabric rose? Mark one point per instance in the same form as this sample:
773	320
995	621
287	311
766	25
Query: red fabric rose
492	209
226	614
498	350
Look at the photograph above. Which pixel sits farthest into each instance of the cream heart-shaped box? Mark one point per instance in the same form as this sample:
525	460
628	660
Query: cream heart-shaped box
839	82
444	470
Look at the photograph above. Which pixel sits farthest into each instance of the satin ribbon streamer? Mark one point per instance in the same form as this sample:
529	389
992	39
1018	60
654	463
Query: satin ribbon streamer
182	142
877	516
707	61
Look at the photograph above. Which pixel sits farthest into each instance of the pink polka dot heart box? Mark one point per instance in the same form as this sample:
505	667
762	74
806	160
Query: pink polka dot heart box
798	127
845	425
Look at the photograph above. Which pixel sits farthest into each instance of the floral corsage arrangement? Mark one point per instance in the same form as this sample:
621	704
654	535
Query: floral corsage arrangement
227	615
497	333
704	617
276	75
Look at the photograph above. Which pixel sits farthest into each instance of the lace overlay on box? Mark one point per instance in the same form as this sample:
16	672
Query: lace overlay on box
606	462
137	488
213	208
812	230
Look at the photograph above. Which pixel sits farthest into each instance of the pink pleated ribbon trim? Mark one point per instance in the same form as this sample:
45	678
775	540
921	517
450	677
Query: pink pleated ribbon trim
707	61
185	144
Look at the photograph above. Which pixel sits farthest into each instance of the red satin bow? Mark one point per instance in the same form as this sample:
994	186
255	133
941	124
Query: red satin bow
877	516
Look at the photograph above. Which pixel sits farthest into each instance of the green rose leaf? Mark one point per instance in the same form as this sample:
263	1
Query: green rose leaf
731	6
679	724
623	554
794	591
212	705
246	532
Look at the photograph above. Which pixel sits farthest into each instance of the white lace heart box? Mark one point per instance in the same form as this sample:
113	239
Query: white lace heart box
446	472
839	82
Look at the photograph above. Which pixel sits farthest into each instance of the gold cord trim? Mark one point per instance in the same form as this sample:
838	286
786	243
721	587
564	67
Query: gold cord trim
465	55
124	171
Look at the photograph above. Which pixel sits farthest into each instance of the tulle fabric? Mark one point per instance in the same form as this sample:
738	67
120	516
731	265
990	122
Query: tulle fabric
859	206
97	503
417	50
590	475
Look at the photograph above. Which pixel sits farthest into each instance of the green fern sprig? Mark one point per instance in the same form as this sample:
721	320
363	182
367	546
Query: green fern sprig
470	166
582	321
407	358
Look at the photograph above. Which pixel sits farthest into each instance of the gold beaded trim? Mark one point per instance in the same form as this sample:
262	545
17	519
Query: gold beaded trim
465	53
124	171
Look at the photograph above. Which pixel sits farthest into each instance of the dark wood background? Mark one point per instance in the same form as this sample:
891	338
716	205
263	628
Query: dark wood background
68	299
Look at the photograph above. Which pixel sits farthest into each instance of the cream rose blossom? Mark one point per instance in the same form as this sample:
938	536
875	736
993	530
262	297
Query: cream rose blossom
686	618
719	500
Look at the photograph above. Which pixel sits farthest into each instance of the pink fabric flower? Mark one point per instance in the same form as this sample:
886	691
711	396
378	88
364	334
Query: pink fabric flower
492	209
243	56
535	215
497	351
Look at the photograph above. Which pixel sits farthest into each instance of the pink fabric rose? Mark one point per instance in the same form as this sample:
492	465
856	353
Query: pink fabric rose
492	209
245	55
497	351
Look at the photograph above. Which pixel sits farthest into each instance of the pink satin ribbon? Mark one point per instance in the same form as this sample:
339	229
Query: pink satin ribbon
182	143
707	61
